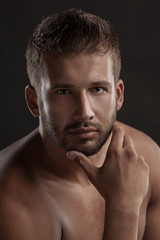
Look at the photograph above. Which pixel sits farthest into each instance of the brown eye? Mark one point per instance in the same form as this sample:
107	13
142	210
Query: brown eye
97	89
63	92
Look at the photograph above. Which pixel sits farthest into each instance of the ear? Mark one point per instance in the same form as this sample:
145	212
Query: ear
31	99
120	93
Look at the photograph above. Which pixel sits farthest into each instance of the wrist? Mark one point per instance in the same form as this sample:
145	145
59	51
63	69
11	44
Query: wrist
124	205
121	222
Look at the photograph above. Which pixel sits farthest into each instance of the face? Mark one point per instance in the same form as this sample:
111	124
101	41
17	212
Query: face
78	101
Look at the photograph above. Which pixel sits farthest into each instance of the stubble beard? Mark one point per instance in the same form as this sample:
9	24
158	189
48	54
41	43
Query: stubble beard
88	147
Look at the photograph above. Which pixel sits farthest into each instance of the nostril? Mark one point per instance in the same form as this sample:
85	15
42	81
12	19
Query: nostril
83	117
91	117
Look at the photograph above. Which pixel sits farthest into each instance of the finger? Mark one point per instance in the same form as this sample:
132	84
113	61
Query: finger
128	143
117	138
84	163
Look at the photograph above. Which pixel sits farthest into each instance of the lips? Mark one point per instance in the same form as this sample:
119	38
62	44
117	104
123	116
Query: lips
84	132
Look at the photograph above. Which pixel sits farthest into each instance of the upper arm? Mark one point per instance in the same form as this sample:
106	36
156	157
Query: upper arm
152	228
146	147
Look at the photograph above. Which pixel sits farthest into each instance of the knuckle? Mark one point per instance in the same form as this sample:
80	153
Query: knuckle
143	162
113	152
129	151
128	137
141	158
80	160
118	129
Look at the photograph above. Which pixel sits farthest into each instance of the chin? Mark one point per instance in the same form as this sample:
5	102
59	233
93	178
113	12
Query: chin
87	150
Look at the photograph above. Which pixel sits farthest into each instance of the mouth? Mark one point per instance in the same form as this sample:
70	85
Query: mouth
84	132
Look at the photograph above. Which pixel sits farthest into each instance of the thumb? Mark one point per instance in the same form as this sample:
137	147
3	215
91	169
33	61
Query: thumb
85	163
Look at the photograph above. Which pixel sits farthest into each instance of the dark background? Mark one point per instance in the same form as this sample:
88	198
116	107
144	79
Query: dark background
138	26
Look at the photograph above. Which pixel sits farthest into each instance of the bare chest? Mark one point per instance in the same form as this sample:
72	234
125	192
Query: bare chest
83	219
82	215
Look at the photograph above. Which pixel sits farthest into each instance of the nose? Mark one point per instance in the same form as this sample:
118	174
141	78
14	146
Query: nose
83	110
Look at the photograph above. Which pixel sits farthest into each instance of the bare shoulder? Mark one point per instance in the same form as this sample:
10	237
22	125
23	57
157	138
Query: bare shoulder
144	144
20	154
23	204
16	166
19	146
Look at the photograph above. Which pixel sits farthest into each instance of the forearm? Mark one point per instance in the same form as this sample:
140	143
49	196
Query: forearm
121	224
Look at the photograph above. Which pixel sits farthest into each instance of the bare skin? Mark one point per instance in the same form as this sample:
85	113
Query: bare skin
45	195
39	204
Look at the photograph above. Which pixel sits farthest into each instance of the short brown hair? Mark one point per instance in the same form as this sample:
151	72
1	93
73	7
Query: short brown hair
72	32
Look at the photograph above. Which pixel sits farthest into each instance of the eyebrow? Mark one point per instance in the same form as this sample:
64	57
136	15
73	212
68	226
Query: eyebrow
97	83
62	85
104	83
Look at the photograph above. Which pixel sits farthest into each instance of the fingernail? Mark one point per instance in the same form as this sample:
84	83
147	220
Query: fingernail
70	155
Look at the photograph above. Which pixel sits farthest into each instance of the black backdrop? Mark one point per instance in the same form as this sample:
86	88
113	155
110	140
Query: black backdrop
137	24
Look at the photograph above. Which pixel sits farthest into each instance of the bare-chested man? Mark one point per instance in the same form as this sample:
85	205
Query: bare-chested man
81	175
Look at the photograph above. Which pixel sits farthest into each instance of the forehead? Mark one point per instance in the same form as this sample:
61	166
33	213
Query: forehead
77	69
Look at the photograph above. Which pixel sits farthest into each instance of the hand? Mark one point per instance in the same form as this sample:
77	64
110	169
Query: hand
123	179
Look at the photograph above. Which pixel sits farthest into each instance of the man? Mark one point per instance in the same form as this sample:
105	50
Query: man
81	174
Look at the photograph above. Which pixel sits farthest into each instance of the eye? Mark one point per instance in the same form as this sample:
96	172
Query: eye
63	92
97	89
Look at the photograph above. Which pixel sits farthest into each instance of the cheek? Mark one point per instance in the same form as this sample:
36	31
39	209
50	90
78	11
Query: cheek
53	110
105	105
56	113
